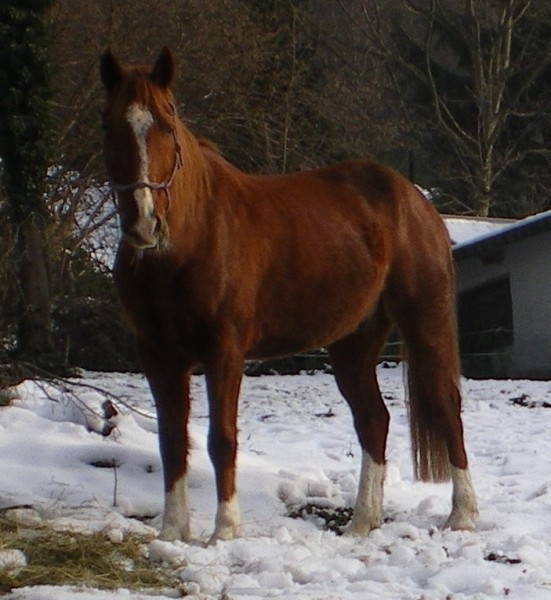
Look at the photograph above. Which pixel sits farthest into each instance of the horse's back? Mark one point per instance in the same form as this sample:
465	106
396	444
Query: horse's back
355	206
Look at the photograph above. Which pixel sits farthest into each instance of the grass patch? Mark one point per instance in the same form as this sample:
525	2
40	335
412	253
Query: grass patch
68	558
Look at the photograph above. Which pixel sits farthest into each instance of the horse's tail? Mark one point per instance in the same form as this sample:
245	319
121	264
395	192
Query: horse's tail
434	401
421	301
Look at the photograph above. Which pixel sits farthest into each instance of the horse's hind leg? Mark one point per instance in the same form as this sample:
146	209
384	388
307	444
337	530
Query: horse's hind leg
354	360
429	330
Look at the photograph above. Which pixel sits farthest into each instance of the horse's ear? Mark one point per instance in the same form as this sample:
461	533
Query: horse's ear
163	71
110	70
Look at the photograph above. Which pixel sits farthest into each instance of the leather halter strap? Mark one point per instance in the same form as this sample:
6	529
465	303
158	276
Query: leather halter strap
154	185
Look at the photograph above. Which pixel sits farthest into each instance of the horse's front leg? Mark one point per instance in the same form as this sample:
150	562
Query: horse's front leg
170	388
223	376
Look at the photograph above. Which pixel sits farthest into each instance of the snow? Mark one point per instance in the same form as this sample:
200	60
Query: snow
297	445
465	230
496	227
96	221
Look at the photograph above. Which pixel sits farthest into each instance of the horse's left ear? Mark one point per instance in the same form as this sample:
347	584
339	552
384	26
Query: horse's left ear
163	71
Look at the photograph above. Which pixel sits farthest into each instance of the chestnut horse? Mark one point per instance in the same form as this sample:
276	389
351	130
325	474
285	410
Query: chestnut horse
216	266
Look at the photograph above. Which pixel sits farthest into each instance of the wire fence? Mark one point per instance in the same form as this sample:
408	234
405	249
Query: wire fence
479	350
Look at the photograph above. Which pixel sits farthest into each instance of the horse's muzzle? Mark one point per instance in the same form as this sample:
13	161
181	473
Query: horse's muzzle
142	234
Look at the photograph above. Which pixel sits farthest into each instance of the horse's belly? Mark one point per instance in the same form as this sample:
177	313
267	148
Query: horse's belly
313	319
300	339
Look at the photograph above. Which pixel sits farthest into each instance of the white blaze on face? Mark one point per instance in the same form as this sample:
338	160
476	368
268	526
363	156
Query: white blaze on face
140	121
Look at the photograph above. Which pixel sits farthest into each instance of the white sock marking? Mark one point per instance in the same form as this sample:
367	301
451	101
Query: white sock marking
464	505
228	520
176	514
368	510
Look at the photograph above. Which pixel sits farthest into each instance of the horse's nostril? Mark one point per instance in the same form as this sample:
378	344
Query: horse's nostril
131	234
125	229
139	235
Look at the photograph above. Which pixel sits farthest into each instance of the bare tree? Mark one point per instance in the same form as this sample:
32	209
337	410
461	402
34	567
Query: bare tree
473	79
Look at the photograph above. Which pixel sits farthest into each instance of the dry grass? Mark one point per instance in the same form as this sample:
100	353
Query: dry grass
67	558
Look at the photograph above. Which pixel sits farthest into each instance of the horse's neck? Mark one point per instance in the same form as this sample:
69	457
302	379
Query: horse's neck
194	170
190	193
207	195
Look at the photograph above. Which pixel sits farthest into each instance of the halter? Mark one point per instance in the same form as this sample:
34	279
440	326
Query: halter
153	185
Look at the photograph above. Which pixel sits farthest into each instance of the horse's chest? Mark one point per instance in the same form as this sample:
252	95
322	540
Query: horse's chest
163	309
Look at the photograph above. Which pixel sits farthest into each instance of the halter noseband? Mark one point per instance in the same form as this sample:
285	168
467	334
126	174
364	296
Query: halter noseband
153	185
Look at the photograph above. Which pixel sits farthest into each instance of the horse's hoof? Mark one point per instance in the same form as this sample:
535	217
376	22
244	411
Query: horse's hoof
360	528
175	534
228	521
225	534
461	522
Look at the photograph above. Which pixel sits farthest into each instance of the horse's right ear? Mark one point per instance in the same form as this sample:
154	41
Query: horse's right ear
110	70
163	71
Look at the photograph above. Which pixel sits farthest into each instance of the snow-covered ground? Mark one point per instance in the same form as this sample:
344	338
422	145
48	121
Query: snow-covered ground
297	445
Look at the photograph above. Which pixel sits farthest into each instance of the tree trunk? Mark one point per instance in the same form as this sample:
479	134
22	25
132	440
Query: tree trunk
34	336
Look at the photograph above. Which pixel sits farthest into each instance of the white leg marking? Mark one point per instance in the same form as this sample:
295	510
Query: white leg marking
464	505
176	515
228	521
367	513
140	120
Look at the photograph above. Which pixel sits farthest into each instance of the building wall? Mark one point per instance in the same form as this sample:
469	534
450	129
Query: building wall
527	264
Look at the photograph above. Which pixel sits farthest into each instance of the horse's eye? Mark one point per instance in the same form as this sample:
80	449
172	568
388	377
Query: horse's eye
163	125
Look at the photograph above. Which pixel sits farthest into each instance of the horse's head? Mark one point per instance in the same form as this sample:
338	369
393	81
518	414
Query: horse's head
141	147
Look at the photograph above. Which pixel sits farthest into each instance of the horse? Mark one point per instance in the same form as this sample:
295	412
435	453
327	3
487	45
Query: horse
216	266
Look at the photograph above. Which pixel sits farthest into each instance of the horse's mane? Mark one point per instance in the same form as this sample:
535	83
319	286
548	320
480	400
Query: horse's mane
214	157
209	145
